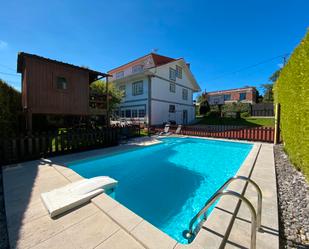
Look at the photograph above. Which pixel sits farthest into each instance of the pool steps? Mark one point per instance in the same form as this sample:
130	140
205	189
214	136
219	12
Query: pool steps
191	233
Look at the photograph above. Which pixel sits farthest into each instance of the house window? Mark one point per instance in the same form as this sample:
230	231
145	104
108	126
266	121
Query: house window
172	87
185	94
172	108
62	83
134	113
242	96
178	72
122	88
122	114
120	75
128	113
227	97
141	113
137	88
172	74
137	68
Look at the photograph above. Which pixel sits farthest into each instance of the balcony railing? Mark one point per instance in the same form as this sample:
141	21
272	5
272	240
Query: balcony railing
97	103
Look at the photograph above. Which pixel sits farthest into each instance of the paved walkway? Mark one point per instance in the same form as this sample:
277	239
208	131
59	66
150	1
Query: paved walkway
229	226
30	226
104	223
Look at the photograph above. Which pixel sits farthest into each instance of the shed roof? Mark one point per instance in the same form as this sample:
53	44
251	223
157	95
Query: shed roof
22	55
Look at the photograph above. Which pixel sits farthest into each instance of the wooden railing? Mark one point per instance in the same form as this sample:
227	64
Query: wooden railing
261	134
45	144
97	101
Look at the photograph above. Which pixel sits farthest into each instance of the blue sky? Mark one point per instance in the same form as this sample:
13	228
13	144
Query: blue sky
216	37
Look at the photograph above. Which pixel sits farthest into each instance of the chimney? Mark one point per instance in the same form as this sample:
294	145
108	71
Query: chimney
188	64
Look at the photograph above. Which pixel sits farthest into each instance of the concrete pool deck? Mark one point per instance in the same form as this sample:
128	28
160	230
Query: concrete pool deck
105	223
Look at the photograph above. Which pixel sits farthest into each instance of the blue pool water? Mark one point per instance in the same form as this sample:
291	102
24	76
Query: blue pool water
168	183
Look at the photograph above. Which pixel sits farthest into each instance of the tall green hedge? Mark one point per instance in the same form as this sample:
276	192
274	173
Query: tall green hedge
292	92
10	109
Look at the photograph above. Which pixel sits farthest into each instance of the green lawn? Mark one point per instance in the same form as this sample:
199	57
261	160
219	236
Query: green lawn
249	121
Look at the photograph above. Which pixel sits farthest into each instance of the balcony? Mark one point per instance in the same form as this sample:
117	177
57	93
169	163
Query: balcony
97	104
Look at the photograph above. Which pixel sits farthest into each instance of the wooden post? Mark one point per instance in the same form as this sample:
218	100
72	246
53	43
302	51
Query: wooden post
30	144
277	124
149	106
107	103
29	121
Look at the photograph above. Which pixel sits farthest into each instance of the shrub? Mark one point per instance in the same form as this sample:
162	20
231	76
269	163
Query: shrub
292	92
10	109
245	114
236	107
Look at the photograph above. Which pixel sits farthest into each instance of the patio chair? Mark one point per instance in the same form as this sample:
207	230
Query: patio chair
178	130
165	131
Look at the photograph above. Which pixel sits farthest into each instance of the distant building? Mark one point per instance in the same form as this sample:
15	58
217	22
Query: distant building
54	88
157	89
243	95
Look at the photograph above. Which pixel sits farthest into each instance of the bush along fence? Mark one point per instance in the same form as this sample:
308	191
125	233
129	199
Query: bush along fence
261	134
33	146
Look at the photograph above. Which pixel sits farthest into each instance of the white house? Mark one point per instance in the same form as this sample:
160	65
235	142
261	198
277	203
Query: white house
157	89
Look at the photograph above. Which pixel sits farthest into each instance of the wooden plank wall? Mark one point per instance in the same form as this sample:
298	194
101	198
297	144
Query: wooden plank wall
41	94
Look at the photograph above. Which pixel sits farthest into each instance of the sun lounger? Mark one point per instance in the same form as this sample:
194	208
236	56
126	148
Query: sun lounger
178	130
75	194
165	131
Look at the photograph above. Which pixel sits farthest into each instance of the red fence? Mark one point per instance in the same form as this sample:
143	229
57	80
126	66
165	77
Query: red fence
262	134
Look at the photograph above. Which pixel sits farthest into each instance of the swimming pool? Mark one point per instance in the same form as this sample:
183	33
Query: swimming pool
168	183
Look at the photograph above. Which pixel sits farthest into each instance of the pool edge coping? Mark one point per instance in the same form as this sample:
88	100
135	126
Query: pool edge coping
143	231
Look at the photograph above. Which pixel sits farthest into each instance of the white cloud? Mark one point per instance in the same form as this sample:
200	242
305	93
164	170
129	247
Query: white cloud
280	65
3	44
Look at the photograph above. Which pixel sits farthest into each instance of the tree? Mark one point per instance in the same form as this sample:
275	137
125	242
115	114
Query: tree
99	87
199	98
259	97
273	78
268	96
204	107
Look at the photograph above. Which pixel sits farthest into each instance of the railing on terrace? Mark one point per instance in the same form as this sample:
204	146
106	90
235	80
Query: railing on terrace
262	134
44	144
97	101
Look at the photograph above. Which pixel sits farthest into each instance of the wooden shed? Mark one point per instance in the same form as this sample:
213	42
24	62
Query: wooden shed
53	87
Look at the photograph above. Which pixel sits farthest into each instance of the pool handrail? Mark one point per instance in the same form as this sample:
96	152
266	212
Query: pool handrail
255	223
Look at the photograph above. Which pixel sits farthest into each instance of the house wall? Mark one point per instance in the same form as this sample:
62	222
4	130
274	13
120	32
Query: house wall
131	102
137	105
146	62
160	113
129	97
218	98
40	94
162	97
161	86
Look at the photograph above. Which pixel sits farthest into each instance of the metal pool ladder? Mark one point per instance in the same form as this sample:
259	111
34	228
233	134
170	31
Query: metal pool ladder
255	216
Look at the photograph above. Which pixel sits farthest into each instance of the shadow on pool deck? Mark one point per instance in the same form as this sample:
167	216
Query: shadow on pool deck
22	188
18	196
